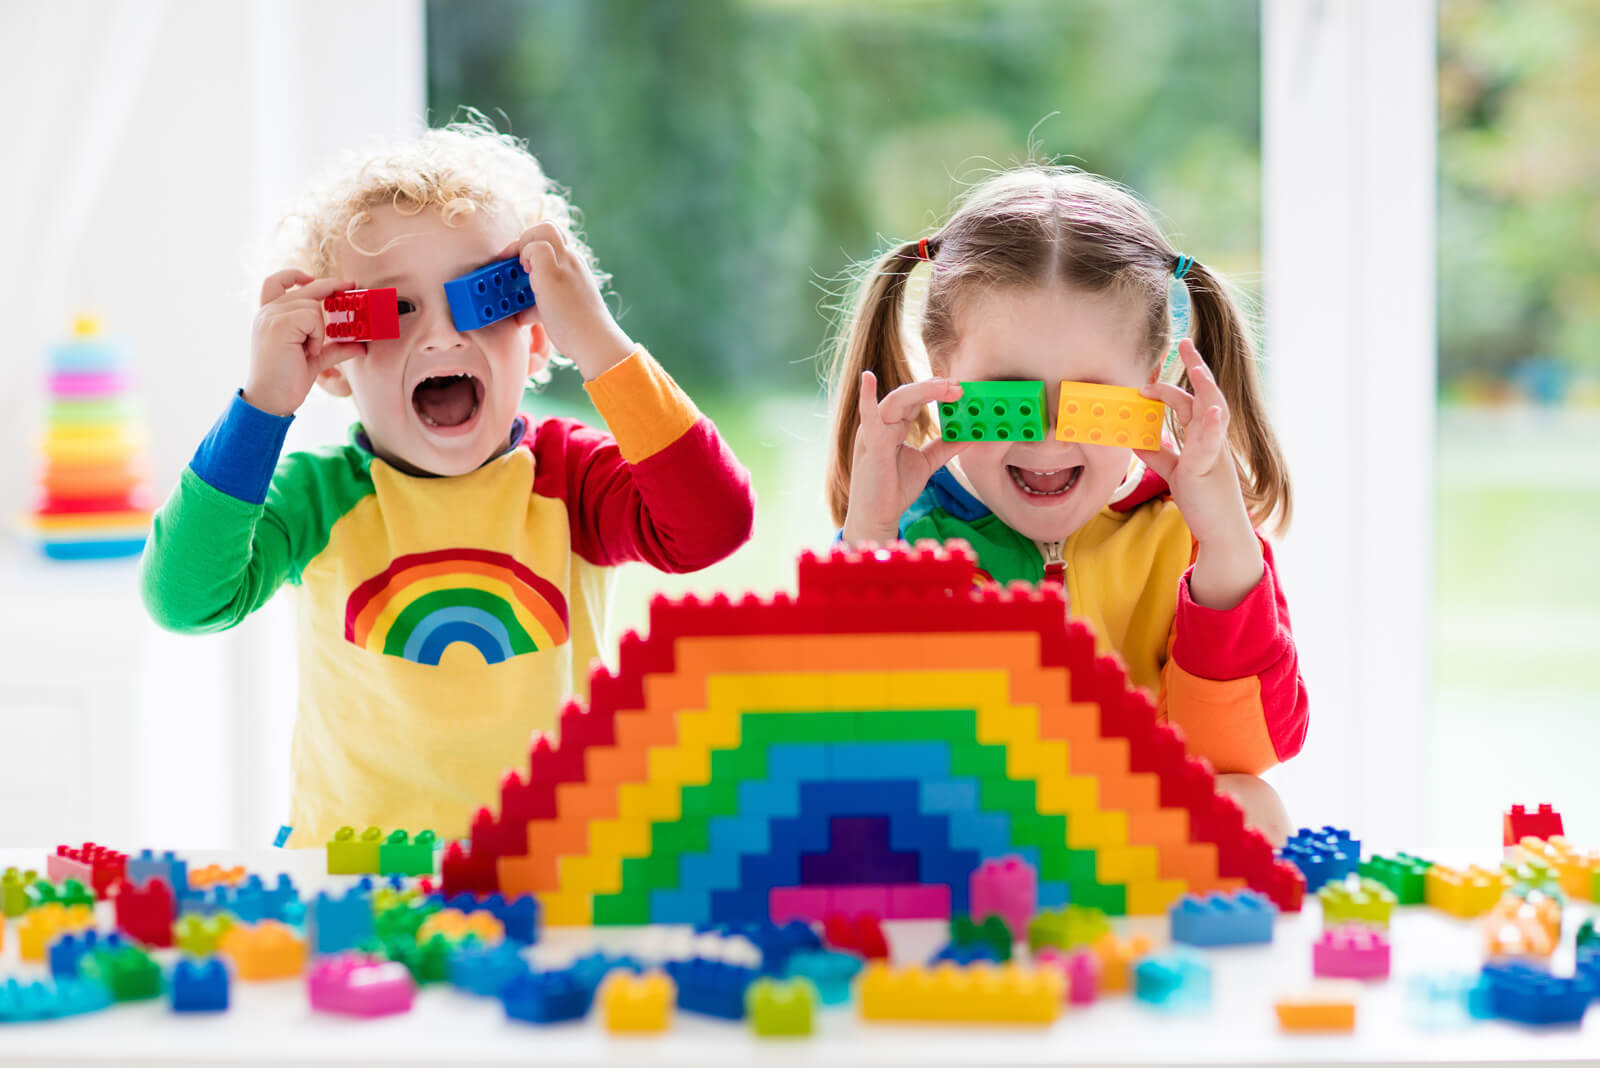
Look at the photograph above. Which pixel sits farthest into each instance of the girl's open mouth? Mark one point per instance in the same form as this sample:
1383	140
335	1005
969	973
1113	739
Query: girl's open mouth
447	402
1053	483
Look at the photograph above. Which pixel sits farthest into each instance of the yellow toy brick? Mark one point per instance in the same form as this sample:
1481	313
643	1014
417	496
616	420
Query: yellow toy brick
558	909
1108	415
43	925
637	1004
1464	893
1574	869
979	993
267	950
456	925
1326	1007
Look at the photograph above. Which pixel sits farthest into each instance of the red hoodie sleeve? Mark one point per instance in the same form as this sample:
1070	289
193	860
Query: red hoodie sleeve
1232	678
662	487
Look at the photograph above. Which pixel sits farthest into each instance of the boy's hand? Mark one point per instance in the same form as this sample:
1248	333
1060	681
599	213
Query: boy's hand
886	473
288	347
567	301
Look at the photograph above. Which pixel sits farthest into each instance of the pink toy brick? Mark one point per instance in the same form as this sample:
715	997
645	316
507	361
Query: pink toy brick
858	899
1007	887
352	984
1351	951
1081	968
931	902
787	903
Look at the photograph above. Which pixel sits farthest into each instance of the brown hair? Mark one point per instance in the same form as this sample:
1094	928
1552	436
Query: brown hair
1034	225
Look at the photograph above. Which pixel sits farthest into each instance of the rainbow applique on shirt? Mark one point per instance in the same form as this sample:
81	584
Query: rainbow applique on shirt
423	603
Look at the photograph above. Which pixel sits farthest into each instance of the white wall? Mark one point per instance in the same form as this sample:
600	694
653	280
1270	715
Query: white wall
152	146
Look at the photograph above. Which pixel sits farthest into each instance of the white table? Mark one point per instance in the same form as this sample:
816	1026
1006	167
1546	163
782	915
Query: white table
271	1023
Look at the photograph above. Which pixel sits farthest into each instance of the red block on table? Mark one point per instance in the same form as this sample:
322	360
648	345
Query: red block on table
146	913
1519	823
363	315
861	934
94	866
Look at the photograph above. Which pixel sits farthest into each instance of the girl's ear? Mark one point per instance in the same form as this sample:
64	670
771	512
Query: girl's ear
332	380
538	349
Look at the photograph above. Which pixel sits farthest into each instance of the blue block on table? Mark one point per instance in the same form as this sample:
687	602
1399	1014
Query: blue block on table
200	986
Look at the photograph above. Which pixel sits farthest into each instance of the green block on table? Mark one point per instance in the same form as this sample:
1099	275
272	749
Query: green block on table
1364	901
428	962
199	936
781	1008
129	973
1405	875
992	932
995	411
14	891
401	854
1067	928
352	854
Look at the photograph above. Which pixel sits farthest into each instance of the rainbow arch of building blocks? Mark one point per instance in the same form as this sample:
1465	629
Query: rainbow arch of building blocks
863	745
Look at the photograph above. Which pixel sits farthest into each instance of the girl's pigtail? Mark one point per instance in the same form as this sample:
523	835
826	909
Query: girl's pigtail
871	341
1221	333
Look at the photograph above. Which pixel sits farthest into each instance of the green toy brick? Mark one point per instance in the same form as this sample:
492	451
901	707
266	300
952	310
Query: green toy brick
995	411
353	854
14	890
43	892
129	973
1404	874
659	872
1008	794
781	1008
399	854
622	909
1067	928
745	762
992	933
200	936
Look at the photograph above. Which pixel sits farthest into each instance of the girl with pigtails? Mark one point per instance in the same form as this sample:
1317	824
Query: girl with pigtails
1046	273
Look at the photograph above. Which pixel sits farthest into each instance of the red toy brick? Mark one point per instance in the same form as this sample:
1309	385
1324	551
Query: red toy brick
94	866
146	912
861	934
1519	823
362	315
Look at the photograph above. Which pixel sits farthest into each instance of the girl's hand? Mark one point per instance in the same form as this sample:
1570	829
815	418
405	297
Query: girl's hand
567	301
1204	480
886	473
288	346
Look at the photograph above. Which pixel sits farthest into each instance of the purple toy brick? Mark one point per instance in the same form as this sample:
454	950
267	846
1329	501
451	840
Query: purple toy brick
354	984
1351	951
1008	888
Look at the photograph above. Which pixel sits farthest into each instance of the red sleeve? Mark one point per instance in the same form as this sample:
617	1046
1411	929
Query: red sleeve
1233	682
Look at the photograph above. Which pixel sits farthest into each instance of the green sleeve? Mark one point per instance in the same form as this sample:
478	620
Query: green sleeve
212	559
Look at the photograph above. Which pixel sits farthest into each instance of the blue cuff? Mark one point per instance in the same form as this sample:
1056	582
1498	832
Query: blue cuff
241	452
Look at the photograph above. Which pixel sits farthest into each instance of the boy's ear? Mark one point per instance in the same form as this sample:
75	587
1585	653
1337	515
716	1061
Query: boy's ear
538	349
332	380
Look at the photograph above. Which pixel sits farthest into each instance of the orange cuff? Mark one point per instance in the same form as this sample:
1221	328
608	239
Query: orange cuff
643	407
1221	720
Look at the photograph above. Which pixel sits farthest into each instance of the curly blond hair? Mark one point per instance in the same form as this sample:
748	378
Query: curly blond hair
460	168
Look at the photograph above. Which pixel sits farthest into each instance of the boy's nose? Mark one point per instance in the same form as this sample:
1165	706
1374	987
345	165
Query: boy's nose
439	329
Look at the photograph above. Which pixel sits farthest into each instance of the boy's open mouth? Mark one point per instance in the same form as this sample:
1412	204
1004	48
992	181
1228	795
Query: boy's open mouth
1051	483
447	400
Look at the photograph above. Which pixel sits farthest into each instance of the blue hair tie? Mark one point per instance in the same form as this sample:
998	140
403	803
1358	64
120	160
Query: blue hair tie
1184	263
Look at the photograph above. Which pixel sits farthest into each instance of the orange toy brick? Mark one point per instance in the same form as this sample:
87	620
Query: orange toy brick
456	925
1108	415
1117	958
979	993
1327	1007
1523	927
267	950
1575	869
215	875
637	1004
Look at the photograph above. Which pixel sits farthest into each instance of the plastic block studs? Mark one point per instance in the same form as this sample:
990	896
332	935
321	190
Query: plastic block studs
216	875
1465	893
1361	900
1402	873
167	867
200	986
860	934
43	925
781	1008
1575	870
995	411
1117	958
637	1004
1352	951
712	988
547	997
992	934
1067	928
268	950
1323	856
128	972
26	1002
1176	981
353	984
830	974
1007	887
201	936
402	855
95	866
979	993
334	924
485	970
1243	918
488	294
456	926
1530	995
145	913
1080	967
362	315
1518	823
1328	1007
14	890
68	952
1523	927
1108	415
353	854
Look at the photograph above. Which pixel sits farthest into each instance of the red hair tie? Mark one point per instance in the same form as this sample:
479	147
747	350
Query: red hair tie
922	250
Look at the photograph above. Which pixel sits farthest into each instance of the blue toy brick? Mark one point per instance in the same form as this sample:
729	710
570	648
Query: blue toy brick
712	987
282	837
798	835
740	906
920	833
591	968
830	972
890	760
847	797
770	870
964	955
989	833
547	997
67	952
1322	855
22	1002
797	761
778	797
200	986
519	917
1174	980
335	924
485	970
1242	918
738	834
948	795
680	906
488	294
1527	995
716	870
1053	895
167	866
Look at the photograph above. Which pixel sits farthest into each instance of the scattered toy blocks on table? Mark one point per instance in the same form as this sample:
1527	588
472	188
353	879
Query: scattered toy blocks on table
640	1003
428	960
979	993
1405	876
455	926
215	875
861	934
128	972
1218	919
339	923
201	936
1108	415
485	970
1067	928
1353	951
1117	958
68	952
1361	900
39	927
200	986
1523	926
1575	870
1467	892
1328	1007
1081	968
362	315
1323	856
145	913
1177	980
489	294
352	854
829	973
267	950
995	411
167	866
95	866
712	988
400	854
1518	823
1533	996
781	1008
43	892
353	984
547	997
